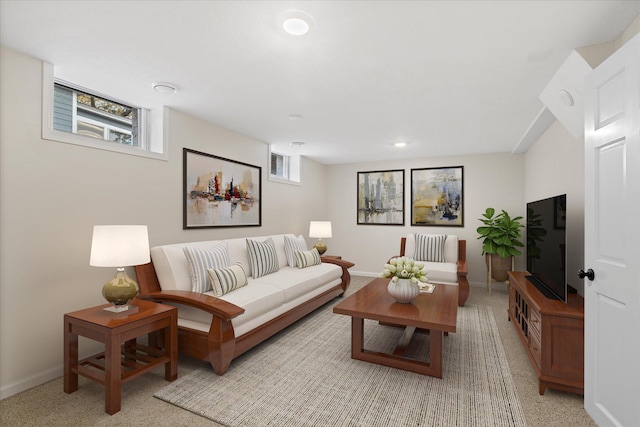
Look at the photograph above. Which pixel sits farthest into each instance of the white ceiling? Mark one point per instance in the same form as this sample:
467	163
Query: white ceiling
449	77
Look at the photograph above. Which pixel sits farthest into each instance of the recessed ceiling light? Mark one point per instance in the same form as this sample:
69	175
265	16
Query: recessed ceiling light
297	144
296	26
165	88
400	144
295	22
295	117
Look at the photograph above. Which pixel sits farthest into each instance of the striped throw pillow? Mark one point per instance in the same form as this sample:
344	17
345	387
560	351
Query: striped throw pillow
430	247
291	245
225	280
202	259
307	258
262	257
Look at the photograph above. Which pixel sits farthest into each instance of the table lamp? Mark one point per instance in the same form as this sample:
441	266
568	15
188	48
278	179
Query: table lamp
320	230
119	246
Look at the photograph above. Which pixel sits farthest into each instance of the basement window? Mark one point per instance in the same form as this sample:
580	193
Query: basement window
284	167
76	115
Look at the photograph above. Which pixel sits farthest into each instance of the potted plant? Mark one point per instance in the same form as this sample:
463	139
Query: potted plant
501	235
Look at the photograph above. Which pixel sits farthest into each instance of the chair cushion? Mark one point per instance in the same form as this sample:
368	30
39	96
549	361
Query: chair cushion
441	272
429	247
225	280
291	245
307	258
200	260
262	257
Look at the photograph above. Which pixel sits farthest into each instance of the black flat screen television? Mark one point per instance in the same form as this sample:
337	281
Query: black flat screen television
546	246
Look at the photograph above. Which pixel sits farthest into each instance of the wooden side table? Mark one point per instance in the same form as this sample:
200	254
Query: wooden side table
119	364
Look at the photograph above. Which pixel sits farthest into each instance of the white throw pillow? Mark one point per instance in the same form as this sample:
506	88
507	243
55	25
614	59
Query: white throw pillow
262	257
202	259
430	247
307	258
225	280
291	245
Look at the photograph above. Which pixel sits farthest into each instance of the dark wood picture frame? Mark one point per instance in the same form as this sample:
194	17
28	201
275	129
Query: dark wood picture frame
219	192
437	196
381	197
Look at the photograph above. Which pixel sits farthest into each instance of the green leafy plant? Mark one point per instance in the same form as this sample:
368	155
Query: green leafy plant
500	233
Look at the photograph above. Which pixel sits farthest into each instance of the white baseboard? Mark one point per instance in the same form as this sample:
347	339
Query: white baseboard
30	382
363	273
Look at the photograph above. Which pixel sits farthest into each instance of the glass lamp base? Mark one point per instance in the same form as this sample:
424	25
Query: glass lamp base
321	247
119	291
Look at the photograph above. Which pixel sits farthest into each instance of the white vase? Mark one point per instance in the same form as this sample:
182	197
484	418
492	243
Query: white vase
403	290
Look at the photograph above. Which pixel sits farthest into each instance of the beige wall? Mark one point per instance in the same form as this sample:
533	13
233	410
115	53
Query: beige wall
553	166
52	194
492	180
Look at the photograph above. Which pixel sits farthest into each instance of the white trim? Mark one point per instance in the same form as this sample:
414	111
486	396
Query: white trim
49	133
30	382
283	180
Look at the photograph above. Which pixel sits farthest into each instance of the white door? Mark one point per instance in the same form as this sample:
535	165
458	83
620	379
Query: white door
612	239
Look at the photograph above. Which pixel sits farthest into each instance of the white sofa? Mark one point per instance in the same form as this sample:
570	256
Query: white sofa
219	328
452	271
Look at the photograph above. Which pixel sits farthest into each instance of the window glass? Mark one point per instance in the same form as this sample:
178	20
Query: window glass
279	165
95	116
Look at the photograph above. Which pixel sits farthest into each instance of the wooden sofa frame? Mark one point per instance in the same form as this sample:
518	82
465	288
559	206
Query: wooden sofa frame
220	345
463	269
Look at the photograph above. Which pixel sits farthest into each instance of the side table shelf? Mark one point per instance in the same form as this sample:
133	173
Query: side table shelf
120	363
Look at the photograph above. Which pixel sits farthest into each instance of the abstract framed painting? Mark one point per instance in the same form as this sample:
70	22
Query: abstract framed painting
219	192
437	196
381	197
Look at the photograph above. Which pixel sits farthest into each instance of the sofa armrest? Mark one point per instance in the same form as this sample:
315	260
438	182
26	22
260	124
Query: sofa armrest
463	268
216	306
345	265
339	262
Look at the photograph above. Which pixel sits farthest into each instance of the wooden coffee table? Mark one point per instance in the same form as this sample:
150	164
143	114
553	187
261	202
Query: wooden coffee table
435	312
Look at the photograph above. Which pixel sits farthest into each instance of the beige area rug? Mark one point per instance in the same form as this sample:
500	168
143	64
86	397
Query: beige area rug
305	376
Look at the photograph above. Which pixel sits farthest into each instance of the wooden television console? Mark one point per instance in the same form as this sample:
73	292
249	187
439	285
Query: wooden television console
552	333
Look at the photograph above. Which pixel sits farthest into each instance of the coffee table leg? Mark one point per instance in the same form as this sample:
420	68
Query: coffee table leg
435	353
357	336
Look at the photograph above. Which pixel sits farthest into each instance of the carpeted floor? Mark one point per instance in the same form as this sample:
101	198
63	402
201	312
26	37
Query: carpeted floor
48	405
306	377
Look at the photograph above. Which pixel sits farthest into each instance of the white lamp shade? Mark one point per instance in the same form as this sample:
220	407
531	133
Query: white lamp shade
119	245
320	229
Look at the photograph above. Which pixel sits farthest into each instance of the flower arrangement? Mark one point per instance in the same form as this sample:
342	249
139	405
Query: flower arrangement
405	268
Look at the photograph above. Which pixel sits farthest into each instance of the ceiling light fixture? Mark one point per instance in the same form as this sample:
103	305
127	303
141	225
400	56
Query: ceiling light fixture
295	117
566	98
165	88
296	26
400	144
297	144
295	22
